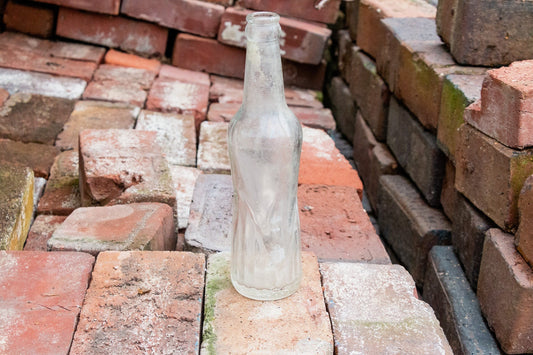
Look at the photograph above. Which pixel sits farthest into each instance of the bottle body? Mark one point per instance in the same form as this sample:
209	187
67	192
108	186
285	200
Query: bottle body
264	141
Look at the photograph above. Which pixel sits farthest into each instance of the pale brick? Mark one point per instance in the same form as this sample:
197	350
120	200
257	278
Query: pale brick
235	324
184	179
524	235
142	302
213	148
326	12
41	230
39	157
374	310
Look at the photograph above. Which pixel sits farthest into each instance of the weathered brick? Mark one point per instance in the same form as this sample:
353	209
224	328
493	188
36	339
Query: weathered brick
184	179
103	6
4	95
118	58
184	75
409	225
478	34
374	310
373	160
506	107
458	91
213	148
41	294
41	84
447	290
301	41
16	206
62	192
39	157
304	75
491	175
369	91
343	44
176	135
326	12
123	166
505	292
33	19
38	188
198	17
89	114
41	230
334	225
235	324
135	226
449	195
343	107
34	118
111	31
524	235
351	9
142	302
416	151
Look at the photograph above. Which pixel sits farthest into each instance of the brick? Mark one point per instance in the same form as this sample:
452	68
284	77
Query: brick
41	84
213	148
123	166
41	230
201	18
448	194
373	160
326	12
176	135
103	6
38	157
344	44
491	175
16	206
524	236
40	305
36	20
369	91
62	193
135	226
184	75
89	114
477	34
351	9
4	95
17	55
34	118
409	225
416	151
371	32
184	179
343	106
307	76
374	310
118	58
447	290
505	293
233	323
458	91
142	302
210	214
110	31
321	163
300	41
334	225
506	107
38	188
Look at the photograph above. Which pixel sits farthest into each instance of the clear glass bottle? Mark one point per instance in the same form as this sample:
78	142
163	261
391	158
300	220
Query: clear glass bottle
265	140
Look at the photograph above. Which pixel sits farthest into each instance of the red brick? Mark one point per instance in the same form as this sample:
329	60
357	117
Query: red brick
491	175
183	75
351	9
34	118
506	112
335	226
505	292
142	302
123	166
307	76
41	294
114	57
111	31
39	157
524	235
62	193
33	19
322	11
41	230
300	41
4	95
135	226
198	17
103	6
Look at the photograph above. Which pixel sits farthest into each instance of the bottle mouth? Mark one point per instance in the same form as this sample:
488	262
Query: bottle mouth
262	18
262	27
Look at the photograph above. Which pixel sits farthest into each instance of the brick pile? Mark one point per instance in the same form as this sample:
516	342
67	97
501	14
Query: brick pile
445	153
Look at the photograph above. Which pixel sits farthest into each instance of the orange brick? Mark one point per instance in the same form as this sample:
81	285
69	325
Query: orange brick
114	57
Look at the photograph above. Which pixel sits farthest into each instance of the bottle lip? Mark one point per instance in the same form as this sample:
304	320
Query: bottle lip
262	18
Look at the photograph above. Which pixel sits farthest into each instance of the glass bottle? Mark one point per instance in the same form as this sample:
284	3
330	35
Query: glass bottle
264	141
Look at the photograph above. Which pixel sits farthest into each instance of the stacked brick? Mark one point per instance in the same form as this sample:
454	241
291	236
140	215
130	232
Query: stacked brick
444	151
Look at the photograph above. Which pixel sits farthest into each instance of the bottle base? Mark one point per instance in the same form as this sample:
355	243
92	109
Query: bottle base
261	294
